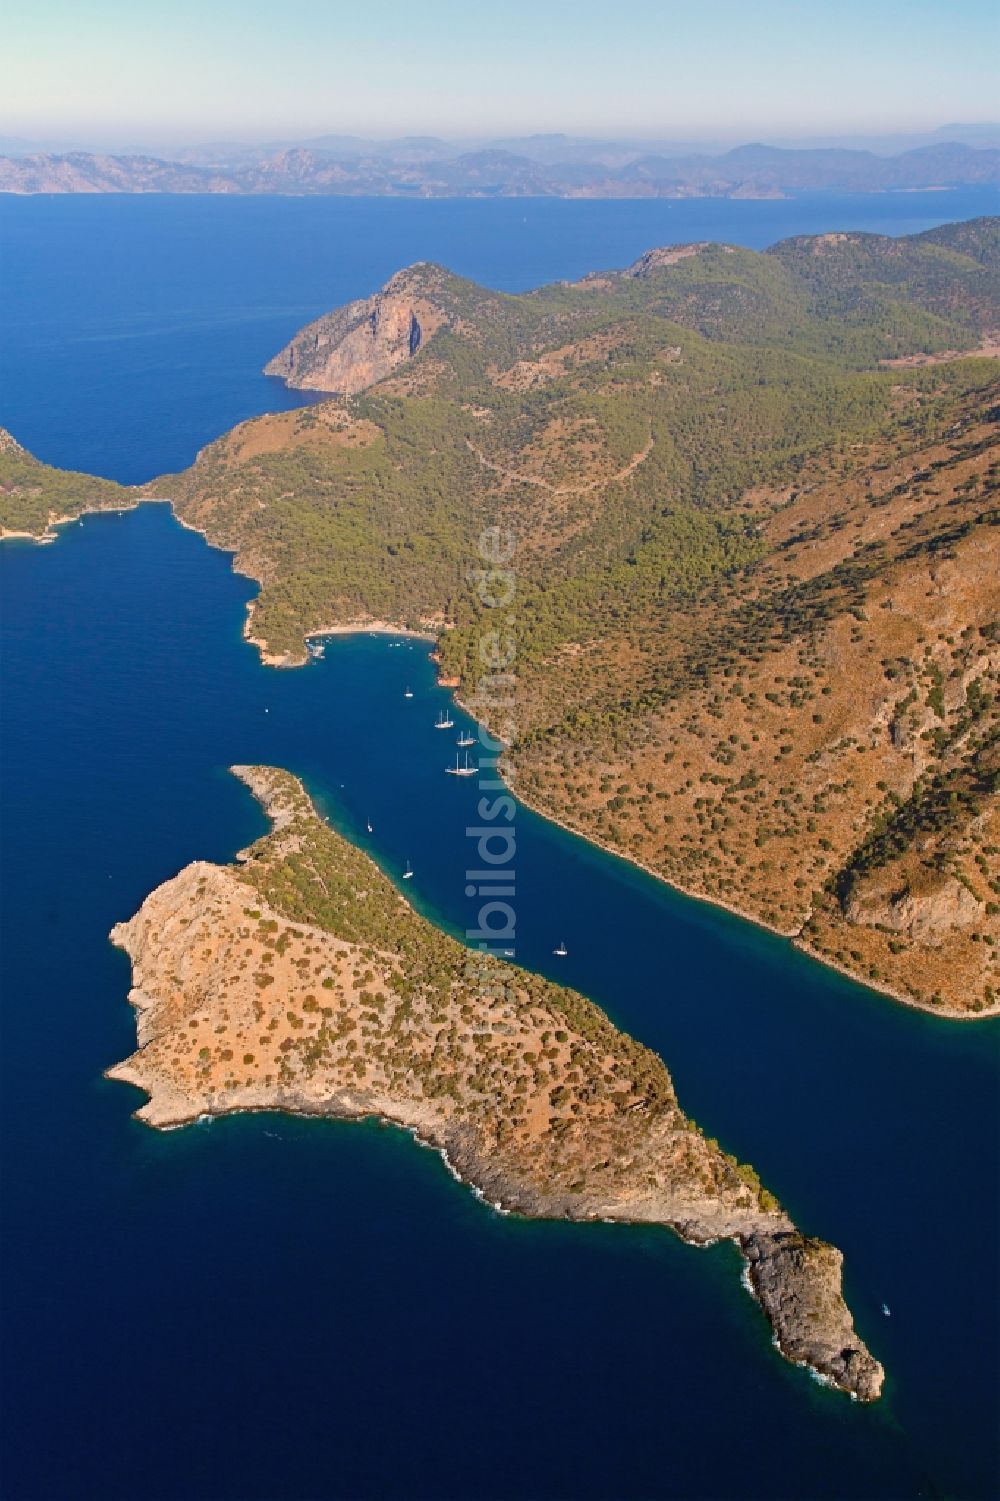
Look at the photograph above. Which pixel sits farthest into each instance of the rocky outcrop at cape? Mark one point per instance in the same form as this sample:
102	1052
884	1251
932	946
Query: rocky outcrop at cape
356	345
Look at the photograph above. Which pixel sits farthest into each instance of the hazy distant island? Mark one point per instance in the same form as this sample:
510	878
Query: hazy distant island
755	502
550	166
300	980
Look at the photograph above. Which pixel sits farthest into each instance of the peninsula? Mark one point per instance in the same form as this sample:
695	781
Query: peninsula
36	498
754	500
300	980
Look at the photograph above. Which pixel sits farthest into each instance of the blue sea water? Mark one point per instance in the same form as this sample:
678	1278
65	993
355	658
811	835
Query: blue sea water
135	329
264	1307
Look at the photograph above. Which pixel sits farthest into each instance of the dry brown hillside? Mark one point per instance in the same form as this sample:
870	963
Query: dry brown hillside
835	774
300	980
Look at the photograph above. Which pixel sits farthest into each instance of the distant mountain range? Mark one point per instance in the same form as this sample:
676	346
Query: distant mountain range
554	166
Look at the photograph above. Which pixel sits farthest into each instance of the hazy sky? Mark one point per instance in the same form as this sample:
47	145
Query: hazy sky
255	69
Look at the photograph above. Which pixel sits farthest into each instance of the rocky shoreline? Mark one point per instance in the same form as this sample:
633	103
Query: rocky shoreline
530	1095
792	935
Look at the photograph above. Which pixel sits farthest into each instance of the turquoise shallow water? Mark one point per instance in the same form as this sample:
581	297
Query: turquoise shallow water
269	1308
263	1307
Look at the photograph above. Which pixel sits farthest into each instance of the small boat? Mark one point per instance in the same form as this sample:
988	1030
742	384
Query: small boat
885	1310
368	825
444	721
562	950
465	739
461	771
408	693
508	953
408	872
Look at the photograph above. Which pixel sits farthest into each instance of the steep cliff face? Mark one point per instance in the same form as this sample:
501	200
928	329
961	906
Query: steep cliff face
929	915
353	347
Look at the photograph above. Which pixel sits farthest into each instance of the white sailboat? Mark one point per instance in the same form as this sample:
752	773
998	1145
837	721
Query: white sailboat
562	950
368	825
444	721
461	771
408	872
408	693
465	739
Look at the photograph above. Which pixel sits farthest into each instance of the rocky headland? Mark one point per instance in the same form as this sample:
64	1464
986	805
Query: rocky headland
361	343
299	979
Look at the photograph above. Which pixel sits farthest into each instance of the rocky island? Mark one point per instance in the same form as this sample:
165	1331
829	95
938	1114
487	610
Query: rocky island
299	979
